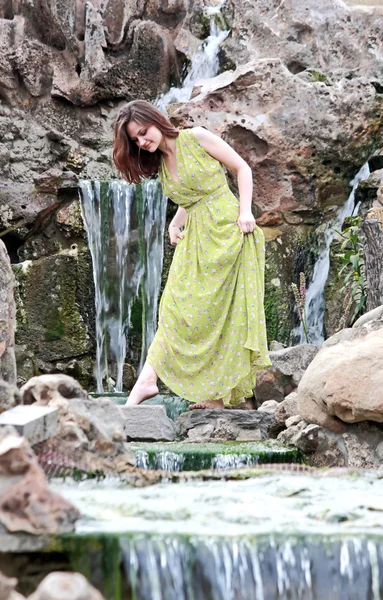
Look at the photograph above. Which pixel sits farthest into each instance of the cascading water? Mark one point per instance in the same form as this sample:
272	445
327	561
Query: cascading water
125	228
204	64
249	569
315	301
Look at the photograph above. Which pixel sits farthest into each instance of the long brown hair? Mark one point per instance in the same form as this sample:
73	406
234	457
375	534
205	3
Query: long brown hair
134	164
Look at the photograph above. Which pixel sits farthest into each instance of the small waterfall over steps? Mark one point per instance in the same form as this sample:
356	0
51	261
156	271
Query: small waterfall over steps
315	301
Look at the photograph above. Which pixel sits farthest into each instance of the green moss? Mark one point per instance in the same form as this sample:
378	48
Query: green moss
50	319
199	456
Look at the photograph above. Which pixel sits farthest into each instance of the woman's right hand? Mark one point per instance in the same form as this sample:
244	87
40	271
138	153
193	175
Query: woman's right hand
175	235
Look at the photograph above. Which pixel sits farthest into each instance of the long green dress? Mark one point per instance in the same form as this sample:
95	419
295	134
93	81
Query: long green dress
211	337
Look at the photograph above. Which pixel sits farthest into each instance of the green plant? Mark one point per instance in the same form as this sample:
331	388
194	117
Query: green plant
316	76
353	269
300	298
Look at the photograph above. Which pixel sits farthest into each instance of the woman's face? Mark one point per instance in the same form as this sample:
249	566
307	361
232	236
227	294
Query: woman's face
146	136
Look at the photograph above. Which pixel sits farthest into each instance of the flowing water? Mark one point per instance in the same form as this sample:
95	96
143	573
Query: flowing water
315	300
125	228
204	63
276	536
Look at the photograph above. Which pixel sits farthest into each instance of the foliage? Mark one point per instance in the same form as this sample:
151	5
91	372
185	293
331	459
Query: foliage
353	270
300	298
316	76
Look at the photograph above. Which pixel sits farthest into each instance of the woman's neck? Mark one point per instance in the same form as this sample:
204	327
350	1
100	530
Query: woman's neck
167	146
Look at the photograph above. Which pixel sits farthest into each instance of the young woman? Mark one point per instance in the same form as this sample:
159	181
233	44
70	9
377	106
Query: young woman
211	336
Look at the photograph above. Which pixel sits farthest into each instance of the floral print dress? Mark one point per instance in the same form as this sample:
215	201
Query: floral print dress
211	336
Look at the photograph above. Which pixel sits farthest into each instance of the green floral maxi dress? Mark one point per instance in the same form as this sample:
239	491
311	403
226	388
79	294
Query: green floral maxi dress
211	337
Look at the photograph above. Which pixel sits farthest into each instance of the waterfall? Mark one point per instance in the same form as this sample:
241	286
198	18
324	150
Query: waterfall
179	568
315	300
204	63
125	227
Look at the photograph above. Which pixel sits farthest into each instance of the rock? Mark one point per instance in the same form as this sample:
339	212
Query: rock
360	454
46	388
269	406
9	396
281	412
56	305
268	386
372	315
288	366
344	381
358	447
35	423
26	503
223	424
147	423
292	362
304	436
90	436
7	588
65	586
7	319
292	421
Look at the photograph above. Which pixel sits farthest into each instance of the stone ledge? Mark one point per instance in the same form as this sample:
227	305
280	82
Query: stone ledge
223	424
35	423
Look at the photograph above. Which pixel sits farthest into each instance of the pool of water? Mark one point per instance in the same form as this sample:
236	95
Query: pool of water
281	503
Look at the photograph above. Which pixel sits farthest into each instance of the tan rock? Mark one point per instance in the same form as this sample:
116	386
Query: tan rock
344	382
26	502
65	586
7	588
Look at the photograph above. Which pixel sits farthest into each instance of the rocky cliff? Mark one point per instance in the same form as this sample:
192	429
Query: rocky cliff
299	95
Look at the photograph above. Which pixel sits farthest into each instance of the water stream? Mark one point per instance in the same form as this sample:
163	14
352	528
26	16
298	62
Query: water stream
125	228
277	536
315	300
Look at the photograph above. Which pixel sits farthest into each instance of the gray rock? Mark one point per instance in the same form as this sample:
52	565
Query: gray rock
224	424
371	315
35	423
7	318
44	388
147	423
292	421
269	406
292	362
9	396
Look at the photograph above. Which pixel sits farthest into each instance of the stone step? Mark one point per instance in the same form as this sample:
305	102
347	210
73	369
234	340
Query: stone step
36	423
223	424
148	423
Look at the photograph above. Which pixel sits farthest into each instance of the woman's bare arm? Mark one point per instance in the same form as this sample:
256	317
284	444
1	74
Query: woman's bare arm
221	151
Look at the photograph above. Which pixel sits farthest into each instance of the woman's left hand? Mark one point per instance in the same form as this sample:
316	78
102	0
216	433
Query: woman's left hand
246	222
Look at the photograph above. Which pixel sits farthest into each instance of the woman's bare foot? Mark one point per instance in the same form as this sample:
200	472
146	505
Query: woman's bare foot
207	404
144	388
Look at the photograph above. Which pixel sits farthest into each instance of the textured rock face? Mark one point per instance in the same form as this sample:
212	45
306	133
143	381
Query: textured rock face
26	503
7	319
359	446
216	425
344	381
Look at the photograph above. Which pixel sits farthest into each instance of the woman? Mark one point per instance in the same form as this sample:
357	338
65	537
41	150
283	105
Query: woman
211	337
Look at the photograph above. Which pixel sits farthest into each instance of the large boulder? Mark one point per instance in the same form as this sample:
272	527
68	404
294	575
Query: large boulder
343	383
